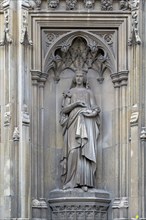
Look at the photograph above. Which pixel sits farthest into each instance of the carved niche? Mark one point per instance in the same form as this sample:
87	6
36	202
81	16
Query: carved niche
79	52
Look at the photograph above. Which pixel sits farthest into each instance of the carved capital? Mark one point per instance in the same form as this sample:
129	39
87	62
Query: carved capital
35	76
38	78
116	203
120	79
39	203
120	203
143	134
134	116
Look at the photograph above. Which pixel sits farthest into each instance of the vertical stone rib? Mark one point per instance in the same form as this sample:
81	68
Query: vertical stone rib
41	134
35	133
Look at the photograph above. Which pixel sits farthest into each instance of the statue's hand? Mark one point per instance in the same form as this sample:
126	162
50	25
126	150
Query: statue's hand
81	104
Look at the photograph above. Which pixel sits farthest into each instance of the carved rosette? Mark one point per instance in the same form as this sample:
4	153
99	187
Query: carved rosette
135	38
107	5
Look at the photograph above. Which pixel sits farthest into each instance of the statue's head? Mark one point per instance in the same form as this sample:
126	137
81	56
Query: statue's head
80	78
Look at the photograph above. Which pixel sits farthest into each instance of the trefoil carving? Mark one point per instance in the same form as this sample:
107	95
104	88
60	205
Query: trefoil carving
135	38
53	3
107	5
71	4
7	39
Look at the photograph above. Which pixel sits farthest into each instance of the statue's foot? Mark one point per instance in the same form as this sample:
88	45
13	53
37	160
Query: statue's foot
66	186
85	188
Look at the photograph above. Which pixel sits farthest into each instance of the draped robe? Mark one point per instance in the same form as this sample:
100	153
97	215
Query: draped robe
80	138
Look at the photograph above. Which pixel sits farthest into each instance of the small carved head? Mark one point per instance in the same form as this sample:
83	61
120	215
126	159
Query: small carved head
53	3
71	4
89	4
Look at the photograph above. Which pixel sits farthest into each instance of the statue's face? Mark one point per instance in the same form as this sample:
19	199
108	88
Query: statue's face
122	3
79	78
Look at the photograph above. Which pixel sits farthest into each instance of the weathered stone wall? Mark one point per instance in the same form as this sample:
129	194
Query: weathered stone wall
32	80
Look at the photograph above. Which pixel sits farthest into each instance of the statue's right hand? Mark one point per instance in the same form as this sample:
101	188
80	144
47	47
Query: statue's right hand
82	104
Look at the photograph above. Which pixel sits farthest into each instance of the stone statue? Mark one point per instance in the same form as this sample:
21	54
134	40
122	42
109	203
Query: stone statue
80	122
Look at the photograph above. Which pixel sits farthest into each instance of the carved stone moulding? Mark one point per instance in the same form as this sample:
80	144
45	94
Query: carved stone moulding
79	50
120	79
39	209
76	204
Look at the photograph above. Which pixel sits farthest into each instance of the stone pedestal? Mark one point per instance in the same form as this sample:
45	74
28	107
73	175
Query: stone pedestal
76	204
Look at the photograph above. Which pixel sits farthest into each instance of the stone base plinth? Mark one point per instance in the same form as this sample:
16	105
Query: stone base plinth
76	204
